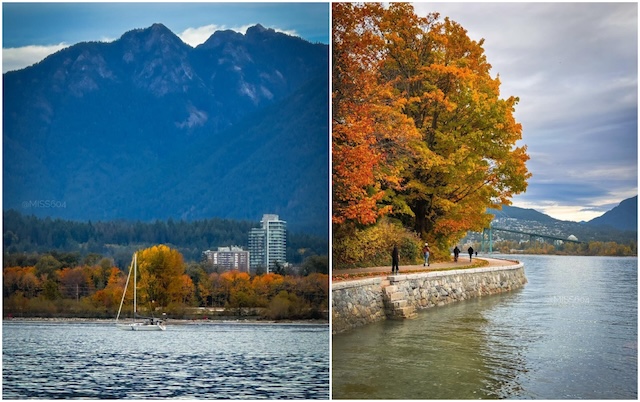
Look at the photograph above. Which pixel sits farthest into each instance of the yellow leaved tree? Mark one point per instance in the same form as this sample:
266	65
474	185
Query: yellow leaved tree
160	283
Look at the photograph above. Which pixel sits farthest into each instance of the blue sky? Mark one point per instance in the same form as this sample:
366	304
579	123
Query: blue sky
30	31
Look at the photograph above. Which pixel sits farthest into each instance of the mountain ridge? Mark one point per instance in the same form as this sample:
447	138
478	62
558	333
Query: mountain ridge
624	216
110	129
532	221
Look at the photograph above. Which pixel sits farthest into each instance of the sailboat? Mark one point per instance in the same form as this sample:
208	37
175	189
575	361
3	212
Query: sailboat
149	324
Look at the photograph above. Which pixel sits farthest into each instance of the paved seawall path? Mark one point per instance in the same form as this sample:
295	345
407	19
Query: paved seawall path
462	263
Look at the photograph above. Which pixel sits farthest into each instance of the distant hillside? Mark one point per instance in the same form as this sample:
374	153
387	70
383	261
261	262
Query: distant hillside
622	217
532	221
28	234
147	127
522	214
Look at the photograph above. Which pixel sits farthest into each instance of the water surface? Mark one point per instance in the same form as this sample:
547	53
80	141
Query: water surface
570	333
217	361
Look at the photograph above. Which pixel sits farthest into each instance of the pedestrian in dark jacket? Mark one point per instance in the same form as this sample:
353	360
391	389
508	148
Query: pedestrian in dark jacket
456	253
395	260
470	250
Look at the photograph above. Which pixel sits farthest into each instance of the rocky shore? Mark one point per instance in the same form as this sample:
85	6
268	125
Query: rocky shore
168	322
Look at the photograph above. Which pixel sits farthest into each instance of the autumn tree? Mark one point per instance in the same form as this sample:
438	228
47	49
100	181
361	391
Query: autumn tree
470	132
22	279
187	289
160	271
241	293
465	158
110	296
266	287
370	134
204	287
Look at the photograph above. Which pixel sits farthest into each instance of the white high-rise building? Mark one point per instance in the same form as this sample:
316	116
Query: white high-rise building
268	243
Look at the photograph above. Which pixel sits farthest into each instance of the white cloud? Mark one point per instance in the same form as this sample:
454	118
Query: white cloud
16	58
197	36
574	213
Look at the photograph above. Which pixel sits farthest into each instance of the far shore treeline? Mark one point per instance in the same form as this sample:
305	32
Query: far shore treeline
27	236
59	268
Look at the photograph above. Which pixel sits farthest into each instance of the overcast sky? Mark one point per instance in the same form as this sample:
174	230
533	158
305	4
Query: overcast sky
573	66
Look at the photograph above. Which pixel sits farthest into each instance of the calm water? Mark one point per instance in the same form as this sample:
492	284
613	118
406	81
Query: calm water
230	361
570	333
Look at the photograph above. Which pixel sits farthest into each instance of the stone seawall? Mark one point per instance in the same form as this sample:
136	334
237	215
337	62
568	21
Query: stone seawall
360	302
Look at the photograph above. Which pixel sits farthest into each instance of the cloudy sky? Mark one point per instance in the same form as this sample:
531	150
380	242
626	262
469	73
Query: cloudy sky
574	68
32	31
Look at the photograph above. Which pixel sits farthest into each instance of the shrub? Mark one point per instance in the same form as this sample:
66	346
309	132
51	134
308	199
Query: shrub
372	245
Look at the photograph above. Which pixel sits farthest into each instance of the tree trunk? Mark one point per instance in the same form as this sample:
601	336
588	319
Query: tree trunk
419	209
422	210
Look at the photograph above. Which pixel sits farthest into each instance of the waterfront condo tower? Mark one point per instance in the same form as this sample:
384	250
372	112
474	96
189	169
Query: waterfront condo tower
268	244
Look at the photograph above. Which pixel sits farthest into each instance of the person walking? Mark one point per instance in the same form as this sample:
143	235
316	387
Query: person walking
456	253
470	250
426	251
395	260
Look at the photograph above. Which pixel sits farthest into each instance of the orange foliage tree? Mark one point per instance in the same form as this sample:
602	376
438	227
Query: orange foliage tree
465	157
21	279
110	296
370	134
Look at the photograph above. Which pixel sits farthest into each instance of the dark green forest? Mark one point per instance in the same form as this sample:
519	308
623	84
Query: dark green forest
26	237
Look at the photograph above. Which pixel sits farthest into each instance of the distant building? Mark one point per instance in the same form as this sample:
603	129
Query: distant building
229	258
268	244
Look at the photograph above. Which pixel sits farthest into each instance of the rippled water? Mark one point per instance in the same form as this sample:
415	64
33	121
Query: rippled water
570	333
230	361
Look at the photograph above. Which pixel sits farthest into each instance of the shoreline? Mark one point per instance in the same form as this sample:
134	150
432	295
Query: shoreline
170	322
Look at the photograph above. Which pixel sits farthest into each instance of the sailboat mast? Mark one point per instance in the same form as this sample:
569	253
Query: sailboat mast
135	285
125	291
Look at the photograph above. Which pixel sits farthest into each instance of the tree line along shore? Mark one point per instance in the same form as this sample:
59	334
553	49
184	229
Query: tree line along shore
53	288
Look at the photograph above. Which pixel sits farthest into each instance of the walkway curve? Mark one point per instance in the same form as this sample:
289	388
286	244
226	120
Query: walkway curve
462	262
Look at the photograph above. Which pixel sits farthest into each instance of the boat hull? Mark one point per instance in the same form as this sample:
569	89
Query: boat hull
138	326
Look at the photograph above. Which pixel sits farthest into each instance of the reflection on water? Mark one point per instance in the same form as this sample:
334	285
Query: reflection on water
571	332
50	361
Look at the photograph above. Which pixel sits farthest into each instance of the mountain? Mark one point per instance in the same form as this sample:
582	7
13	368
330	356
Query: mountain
508	211
147	127
532	221
622	217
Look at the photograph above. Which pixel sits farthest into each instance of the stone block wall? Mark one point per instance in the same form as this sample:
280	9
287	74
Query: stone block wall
357	303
